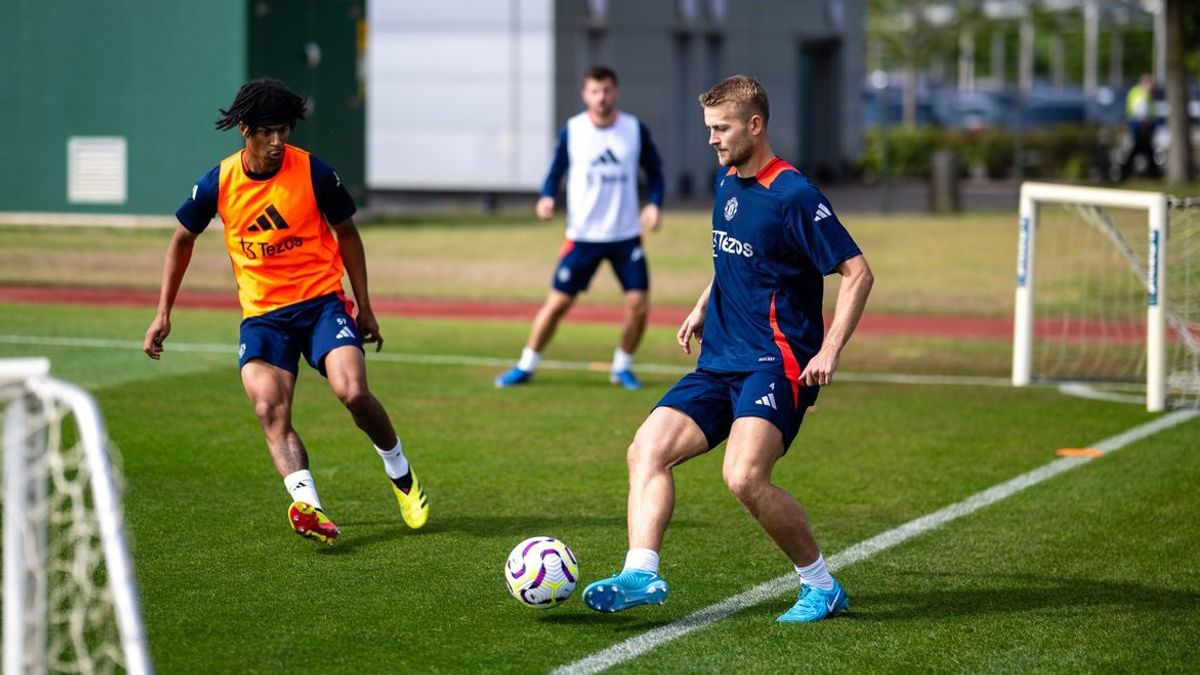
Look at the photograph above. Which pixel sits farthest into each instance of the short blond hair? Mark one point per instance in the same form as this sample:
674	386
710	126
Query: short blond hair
743	91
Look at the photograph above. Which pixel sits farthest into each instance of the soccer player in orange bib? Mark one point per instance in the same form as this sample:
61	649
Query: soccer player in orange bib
282	208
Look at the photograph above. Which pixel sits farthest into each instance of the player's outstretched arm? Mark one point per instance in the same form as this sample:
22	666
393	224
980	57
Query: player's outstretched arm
693	325
857	280
175	263
354	257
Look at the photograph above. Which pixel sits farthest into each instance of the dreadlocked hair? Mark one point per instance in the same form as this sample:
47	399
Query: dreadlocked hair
263	102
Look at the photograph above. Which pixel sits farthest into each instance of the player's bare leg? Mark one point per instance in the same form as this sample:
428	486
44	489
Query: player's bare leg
750	455
346	369
548	317
270	389
545	323
667	438
754	446
637	308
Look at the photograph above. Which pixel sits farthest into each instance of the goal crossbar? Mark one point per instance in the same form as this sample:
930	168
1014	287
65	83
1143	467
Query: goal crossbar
1151	272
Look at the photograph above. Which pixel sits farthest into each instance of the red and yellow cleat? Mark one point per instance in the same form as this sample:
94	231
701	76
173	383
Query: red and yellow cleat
311	523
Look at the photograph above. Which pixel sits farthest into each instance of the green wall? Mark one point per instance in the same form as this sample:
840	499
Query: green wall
280	31
155	72
151	71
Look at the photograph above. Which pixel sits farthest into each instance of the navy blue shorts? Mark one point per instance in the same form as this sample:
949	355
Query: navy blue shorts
714	400
579	260
312	328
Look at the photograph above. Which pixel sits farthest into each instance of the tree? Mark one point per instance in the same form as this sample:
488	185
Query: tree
1179	152
906	37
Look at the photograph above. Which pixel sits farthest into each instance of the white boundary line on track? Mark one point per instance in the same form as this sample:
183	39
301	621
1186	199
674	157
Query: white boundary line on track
640	644
488	361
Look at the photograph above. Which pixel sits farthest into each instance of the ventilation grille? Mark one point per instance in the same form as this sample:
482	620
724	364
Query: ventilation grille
96	170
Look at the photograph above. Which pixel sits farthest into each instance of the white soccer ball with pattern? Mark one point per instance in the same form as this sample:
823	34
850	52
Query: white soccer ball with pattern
541	572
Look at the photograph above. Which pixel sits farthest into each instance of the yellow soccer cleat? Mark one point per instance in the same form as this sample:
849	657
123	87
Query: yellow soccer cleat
414	504
311	523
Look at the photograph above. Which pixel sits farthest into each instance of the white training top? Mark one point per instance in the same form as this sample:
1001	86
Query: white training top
602	195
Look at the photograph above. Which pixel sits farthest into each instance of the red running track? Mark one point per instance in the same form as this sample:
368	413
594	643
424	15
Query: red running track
914	325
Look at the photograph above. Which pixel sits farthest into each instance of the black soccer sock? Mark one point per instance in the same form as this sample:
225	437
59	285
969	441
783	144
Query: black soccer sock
403	483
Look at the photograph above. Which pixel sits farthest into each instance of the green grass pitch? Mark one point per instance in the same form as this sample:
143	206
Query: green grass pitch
1095	570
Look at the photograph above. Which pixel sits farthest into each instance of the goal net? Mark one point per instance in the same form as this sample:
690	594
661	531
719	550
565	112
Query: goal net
70	600
1108	293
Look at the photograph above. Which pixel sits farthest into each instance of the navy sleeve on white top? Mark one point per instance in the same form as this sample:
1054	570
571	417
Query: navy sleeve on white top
199	209
651	163
558	167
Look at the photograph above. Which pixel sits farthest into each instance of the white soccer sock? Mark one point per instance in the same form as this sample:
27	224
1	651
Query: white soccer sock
816	574
622	360
642	559
394	461
529	360
301	487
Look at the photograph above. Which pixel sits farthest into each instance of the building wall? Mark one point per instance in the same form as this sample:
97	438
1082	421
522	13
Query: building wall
807	53
151	72
459	94
315	47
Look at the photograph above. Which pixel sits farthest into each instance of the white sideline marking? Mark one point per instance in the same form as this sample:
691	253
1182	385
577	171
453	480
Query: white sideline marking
1083	390
640	644
491	362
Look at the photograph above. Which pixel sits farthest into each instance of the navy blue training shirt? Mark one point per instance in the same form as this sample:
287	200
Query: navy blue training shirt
775	237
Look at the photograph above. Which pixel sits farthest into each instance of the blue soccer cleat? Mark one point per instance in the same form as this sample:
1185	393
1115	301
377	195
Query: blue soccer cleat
815	604
513	377
628	589
626	379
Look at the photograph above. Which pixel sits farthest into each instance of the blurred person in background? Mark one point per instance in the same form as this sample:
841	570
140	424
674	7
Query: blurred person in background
600	151
1140	118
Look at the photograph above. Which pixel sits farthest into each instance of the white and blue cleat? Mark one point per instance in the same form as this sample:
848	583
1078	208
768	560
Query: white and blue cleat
626	379
815	604
513	377
628	589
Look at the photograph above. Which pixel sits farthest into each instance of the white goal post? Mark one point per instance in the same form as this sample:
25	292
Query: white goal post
70	596
1117	224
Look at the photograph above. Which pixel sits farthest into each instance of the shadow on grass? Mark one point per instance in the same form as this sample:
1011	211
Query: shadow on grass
623	623
1020	594
520	526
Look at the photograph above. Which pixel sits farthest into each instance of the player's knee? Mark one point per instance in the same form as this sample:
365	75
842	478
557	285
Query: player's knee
557	308
274	415
644	454
355	398
744	485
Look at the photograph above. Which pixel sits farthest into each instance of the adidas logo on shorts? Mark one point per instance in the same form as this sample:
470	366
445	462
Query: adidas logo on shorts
768	400
344	333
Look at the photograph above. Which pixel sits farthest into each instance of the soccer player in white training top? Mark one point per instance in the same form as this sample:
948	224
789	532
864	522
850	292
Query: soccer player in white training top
600	151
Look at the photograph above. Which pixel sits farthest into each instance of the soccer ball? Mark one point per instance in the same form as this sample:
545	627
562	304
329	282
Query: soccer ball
541	572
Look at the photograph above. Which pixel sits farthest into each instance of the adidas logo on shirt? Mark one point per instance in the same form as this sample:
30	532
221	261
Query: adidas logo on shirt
606	157
768	400
822	212
344	333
